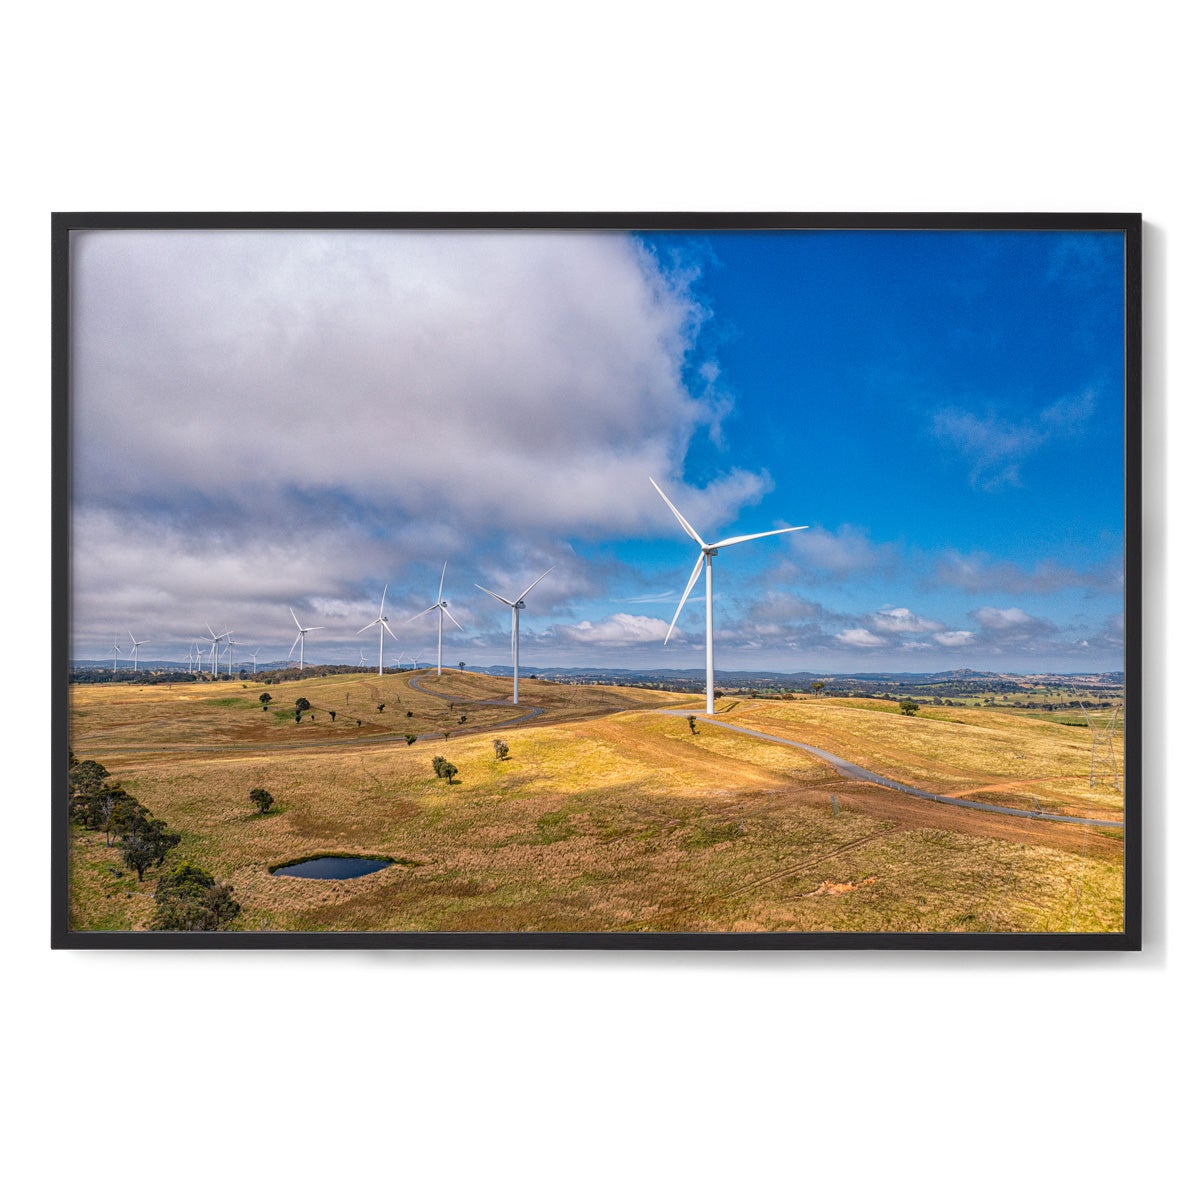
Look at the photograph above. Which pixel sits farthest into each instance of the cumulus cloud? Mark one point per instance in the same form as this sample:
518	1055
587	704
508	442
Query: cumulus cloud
287	415
995	448
861	639
979	572
902	620
954	637
621	629
1010	624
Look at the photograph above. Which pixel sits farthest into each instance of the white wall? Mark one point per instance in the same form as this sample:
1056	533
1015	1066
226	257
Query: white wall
567	1075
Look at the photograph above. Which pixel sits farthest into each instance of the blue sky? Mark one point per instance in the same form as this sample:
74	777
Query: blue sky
266	420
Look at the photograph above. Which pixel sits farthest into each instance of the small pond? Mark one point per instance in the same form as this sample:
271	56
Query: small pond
333	868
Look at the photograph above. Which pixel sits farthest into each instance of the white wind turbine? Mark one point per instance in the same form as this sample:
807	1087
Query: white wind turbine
381	621
300	637
516	606
362	658
443	610
133	651
116	651
215	641
254	659
708	551
230	643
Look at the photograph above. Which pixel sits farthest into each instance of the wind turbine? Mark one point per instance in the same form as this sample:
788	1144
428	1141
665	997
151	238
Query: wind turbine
381	621
254	659
300	636
116	650
516	606
216	639
134	650
230	643
443	610
708	551
362	658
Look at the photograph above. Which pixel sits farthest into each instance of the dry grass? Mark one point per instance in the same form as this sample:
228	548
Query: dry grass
626	821
996	757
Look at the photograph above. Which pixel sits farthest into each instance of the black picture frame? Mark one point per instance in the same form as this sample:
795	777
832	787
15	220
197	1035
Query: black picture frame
64	225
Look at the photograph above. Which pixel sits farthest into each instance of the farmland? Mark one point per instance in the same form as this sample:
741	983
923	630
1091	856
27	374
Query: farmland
609	813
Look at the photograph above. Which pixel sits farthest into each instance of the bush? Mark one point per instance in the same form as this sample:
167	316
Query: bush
445	770
188	898
908	707
261	799
265	698
302	705
501	749
438	764
410	738
692	724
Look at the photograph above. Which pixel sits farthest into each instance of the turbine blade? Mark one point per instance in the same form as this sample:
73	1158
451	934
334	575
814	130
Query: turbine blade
535	583
294	618
686	593
383	600
442	581
422	613
502	600
294	645
366	627
447	612
678	515
389	629
749	537
311	628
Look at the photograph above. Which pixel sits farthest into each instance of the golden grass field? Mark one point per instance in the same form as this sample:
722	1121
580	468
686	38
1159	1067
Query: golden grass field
608	815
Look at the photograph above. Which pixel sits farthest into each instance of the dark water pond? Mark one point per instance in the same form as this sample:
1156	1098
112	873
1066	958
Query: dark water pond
333	868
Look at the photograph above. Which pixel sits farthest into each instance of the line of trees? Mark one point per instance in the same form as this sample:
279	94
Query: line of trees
187	897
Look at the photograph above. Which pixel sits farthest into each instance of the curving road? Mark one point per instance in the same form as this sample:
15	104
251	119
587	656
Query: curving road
853	771
534	711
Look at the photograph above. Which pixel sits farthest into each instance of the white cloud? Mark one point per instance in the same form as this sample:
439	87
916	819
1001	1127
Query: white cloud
862	639
621	629
902	620
954	637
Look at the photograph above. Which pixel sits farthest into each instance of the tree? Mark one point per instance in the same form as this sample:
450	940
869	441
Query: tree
410	738
86	777
379	708
261	799
818	686
299	714
302	705
908	707
449	771
439	764
265	698
463	719
501	748
409	713
147	843
462	666
332	715
692	724
188	898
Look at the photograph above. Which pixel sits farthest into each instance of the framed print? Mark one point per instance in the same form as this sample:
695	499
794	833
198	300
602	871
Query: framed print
688	581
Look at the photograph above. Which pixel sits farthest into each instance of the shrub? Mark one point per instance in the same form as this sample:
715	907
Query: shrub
409	713
908	707
265	698
692	724
501	749
410	738
379	708
188	898
261	799
439	764
302	705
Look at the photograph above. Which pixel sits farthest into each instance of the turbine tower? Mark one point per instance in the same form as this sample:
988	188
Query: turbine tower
708	551
116	651
443	610
134	649
254	659
516	606
300	636
381	621
216	640
230	643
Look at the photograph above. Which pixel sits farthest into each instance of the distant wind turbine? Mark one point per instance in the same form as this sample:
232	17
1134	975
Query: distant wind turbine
216	640
134	650
362	658
382	622
254	659
116	651
516	606
708	551
443	610
300	637
230	643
